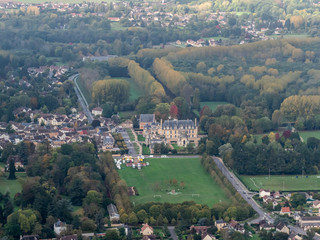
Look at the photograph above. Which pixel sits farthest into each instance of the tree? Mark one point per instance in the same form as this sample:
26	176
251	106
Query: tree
12	170
297	199
174	111
95	123
132	220
107	110
112	235
142	215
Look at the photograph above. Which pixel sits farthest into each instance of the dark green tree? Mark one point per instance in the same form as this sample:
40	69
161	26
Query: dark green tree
12	170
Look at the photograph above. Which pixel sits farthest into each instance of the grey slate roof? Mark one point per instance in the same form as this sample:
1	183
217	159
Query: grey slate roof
147	118
174	124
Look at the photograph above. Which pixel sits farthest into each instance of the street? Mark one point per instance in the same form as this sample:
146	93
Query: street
81	98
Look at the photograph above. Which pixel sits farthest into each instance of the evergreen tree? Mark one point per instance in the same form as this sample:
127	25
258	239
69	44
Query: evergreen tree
12	170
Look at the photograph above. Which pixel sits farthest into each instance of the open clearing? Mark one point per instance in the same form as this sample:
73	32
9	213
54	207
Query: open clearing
153	185
212	105
304	134
12	186
282	182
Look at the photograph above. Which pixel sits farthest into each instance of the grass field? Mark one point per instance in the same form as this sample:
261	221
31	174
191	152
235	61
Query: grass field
154	180
282	183
131	136
304	134
141	138
117	26
145	150
212	105
135	90
12	186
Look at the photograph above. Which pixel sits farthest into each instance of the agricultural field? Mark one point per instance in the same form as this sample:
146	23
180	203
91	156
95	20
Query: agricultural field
282	183
185	176
212	105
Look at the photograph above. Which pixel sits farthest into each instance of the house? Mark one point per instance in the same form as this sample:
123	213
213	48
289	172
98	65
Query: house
276	195
113	212
200	230
281	227
316	204
263	193
263	224
146	119
294	236
97	111
108	143
59	226
220	224
69	237
236	226
29	237
146	230
309	222
285	210
208	237
297	216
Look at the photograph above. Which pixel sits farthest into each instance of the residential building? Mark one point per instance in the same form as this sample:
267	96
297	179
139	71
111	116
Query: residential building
220	224
146	230
309	222
285	210
59	226
263	193
113	212
97	111
281	227
316	204
146	119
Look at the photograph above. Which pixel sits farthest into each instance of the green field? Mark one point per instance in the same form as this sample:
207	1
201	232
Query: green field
12	186
85	91
212	105
145	150
135	90
152	182
304	134
282	183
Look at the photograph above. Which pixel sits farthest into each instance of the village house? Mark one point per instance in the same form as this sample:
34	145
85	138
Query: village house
285	210
69	237
281	227
263	193
220	224
208	237
113	213
200	230
146	230
294	236
316	204
309	222
108	143
59	226
97	111
263	224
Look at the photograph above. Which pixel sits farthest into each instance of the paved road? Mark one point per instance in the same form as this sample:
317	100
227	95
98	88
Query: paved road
81	98
129	144
243	191
173	233
238	185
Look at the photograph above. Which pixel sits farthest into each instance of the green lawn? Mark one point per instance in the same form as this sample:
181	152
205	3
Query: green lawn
12	186
130	135
141	138
117	26
154	180
136	147
145	150
135	90
306	134
212	105
175	146
282	182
